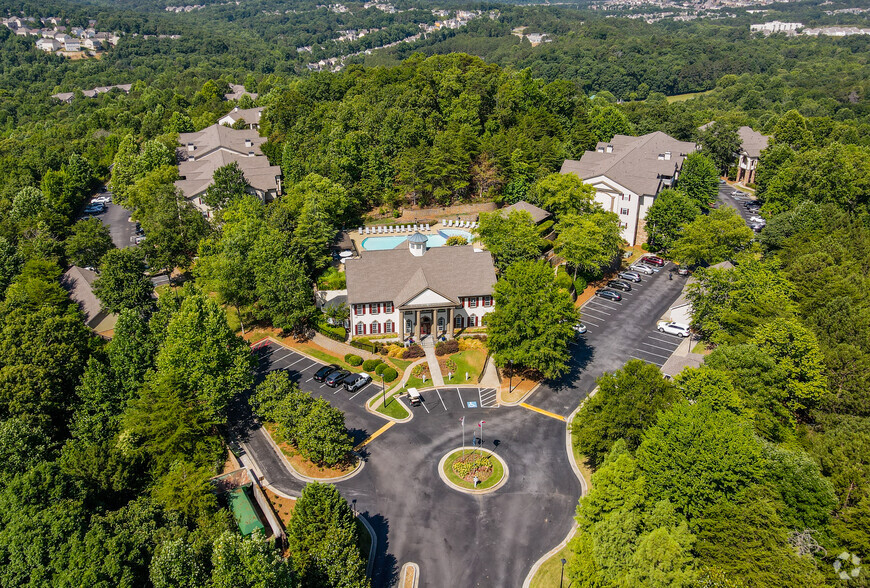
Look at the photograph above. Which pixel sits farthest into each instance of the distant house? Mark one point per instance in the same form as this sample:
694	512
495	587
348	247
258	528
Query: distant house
628	173
49	45
751	145
237	91
204	152
72	45
539	215
66	97
79	283
251	116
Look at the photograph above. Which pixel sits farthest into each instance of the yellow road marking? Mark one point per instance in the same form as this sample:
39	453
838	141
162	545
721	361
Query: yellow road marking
374	435
543	412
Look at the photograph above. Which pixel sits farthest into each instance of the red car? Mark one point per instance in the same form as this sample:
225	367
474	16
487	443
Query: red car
652	259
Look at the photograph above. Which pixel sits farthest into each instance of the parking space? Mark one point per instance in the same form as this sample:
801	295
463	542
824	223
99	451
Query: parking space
600	314
301	369
443	400
737	202
656	348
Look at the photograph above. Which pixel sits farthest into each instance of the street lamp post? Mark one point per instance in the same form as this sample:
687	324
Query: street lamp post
562	573
511	376
384	391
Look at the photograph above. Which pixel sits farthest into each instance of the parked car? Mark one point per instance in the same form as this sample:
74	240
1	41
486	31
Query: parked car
619	285
723	183
757	227
654	260
354	382
138	239
739	193
609	294
630	276
321	374
95	208
683	271
642	269
336	378
102	199
678	329
580	328
757	219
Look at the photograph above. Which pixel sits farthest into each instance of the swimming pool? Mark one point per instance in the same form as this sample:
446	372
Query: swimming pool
391	242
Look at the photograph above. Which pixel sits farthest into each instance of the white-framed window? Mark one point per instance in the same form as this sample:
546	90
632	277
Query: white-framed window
472	302
626	197
388	327
374	308
472	321
441	322
360	329
359	309
375	328
388	307
409	326
623	225
487	301
457	321
623	211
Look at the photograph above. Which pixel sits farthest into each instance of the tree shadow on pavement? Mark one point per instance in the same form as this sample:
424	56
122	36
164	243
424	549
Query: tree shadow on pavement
581	356
386	570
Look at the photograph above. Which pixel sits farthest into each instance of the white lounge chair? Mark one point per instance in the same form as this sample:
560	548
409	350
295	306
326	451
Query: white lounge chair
361	229
381	230
426	227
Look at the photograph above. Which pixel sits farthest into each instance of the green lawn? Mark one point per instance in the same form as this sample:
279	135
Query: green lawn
548	574
401	364
471	361
365	539
393	408
497	473
689	96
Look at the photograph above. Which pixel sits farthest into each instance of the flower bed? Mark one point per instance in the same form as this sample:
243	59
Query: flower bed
461	466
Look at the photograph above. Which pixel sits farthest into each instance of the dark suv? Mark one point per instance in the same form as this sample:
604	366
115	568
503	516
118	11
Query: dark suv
336	378
324	371
356	381
619	285
609	295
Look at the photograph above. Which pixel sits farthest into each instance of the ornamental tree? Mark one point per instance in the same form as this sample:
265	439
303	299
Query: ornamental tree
533	320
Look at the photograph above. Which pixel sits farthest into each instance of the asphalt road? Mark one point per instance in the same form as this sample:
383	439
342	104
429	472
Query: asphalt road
736	203
617	332
457	539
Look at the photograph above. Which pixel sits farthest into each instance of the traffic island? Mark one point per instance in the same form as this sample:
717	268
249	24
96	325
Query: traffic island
459	469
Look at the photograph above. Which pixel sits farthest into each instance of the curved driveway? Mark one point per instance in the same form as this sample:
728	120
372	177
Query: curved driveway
458	539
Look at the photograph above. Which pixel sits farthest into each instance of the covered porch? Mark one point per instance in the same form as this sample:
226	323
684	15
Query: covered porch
421	322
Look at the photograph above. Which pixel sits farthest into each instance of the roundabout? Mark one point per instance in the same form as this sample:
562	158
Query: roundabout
473	470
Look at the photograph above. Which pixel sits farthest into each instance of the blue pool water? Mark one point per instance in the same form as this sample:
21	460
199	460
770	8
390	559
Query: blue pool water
393	241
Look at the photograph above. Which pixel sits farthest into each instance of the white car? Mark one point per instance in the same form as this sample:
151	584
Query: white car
678	329
642	268
102	199
757	219
580	328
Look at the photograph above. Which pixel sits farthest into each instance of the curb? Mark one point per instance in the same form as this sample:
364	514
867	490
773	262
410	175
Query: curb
373	548
523	398
453	486
307	479
416	569
373	409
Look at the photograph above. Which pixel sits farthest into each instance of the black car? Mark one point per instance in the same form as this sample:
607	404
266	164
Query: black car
324	371
356	381
609	294
619	285
336	378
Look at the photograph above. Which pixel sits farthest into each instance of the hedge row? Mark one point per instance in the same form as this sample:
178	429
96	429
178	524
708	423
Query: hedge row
354	360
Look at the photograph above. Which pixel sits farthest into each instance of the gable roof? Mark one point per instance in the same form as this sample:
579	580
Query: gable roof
237	91
752	142
638	163
539	215
249	115
396	275
79	283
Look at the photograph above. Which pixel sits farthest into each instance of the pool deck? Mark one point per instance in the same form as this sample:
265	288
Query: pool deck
358	237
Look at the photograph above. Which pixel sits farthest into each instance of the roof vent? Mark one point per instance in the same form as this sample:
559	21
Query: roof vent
600	150
248	143
191	147
667	155
250	153
610	149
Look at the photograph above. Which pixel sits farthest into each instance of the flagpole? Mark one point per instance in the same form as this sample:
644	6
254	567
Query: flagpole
462	420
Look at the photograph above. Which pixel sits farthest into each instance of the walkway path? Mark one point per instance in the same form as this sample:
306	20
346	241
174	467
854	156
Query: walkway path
434	368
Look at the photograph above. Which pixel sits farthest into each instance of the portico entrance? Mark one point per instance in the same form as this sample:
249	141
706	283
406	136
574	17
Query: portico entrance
425	325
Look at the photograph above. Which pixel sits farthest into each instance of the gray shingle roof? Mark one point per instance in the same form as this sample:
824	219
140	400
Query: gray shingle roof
634	161
539	215
396	275
752	142
79	282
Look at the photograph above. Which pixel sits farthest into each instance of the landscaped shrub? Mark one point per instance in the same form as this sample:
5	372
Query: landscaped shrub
371	364
396	351
471	465
379	369
450	365
447	347
644	246
371	347
563	279
579	285
389	374
478	342
456	240
413	352
354	360
332	279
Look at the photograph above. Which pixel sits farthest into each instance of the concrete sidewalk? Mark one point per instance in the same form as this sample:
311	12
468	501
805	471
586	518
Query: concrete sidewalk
341	349
434	368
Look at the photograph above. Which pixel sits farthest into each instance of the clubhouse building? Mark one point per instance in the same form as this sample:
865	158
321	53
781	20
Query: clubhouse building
414	291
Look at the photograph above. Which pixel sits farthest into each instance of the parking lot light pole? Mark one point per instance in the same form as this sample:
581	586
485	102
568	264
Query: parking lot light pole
562	574
384	390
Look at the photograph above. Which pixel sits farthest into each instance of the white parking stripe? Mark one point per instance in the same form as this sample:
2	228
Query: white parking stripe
598	310
651	353
309	379
671	341
657	347
442	400
585	322
585	313
423	404
646	360
461	402
294	363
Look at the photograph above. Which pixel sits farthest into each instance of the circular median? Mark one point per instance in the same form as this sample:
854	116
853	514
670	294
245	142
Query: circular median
459	468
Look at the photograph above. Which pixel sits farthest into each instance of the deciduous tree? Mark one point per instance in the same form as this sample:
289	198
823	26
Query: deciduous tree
122	283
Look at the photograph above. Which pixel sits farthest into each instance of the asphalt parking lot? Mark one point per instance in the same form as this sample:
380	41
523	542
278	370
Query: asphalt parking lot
735	202
617	332
117	218
460	398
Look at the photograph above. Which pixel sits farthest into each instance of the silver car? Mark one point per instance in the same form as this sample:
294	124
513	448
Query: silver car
630	276
642	269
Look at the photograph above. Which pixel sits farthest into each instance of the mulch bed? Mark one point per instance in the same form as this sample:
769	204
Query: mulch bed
482	473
